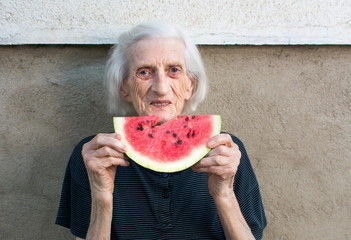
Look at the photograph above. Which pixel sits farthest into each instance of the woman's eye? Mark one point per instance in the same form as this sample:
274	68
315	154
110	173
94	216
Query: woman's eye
174	70
143	73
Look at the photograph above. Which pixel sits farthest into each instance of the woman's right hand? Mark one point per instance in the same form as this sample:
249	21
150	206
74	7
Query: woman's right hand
101	157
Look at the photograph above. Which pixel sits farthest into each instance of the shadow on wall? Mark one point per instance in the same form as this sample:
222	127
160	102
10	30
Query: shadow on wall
53	97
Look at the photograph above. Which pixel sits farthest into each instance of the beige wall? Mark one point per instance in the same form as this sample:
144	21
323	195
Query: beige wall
289	104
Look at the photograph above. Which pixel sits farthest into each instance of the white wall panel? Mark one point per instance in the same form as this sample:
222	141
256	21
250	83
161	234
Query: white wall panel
208	21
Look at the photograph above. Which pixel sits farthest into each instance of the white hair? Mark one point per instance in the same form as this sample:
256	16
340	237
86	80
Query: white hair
117	65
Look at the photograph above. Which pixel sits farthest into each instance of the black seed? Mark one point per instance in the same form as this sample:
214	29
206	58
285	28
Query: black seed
187	119
174	135
140	127
191	133
192	117
178	142
150	135
167	131
147	121
152	126
184	126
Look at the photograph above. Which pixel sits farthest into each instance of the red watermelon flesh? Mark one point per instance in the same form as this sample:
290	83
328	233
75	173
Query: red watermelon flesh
170	147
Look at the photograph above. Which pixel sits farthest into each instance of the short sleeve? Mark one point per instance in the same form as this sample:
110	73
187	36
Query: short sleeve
75	203
246	189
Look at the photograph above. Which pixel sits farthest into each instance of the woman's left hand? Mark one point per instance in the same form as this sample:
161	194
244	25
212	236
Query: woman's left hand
221	164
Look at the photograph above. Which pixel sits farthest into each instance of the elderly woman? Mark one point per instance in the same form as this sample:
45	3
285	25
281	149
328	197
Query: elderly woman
156	70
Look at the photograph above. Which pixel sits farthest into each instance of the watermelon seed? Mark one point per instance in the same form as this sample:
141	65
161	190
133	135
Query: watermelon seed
150	135
187	119
192	117
174	135
191	133
184	126
167	131
178	142
140	127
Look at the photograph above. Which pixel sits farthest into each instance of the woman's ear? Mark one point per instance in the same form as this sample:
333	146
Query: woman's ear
189	86
125	91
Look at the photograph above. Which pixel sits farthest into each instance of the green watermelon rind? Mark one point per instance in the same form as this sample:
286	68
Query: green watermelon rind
196	155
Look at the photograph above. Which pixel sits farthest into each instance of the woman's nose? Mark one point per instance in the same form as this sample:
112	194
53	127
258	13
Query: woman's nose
161	84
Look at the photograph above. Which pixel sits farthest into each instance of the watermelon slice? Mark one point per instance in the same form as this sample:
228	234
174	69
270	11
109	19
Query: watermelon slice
170	147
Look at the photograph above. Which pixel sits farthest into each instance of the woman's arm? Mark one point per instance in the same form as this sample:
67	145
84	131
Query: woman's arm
101	217
101	157
221	165
233	222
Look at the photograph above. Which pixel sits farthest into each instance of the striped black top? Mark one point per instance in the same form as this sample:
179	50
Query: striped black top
152	205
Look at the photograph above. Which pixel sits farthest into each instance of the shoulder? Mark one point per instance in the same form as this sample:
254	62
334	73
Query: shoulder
77	151
76	156
246	189
245	179
237	141
79	146
76	164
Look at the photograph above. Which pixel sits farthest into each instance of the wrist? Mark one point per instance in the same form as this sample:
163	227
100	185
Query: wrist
102	199
101	216
227	196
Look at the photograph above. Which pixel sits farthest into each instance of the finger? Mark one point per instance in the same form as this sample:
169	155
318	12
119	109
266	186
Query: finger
120	162
111	140
221	150
217	160
113	161
97	164
224	171
107	152
220	139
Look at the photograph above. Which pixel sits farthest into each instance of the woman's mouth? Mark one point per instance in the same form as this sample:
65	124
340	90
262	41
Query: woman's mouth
160	104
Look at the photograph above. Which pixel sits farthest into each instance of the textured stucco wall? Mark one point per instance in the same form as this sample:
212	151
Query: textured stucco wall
209	21
289	104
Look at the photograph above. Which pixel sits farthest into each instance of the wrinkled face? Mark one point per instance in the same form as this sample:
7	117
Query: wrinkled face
157	84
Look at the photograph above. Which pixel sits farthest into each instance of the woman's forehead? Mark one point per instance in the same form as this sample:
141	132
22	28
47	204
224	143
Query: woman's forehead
158	51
